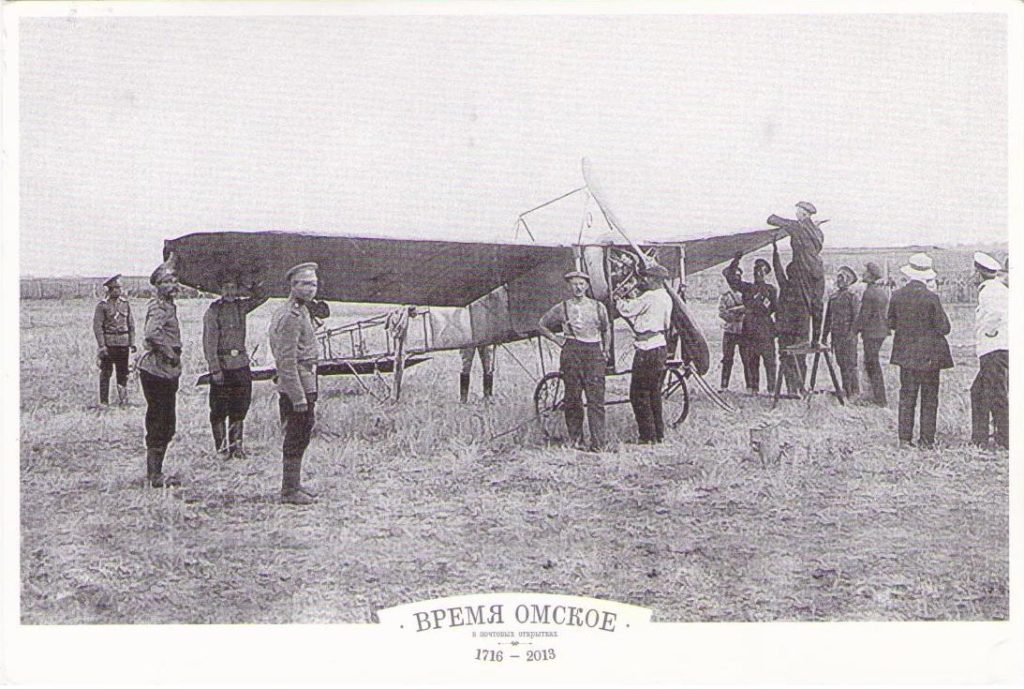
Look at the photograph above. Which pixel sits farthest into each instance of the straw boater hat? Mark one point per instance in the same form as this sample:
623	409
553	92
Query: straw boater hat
919	268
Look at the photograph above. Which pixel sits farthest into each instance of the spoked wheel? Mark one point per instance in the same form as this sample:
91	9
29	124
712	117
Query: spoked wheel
548	400
675	398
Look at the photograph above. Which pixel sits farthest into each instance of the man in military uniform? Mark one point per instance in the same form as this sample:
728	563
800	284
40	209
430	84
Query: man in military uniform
760	300
293	343
159	371
114	328
990	391
226	355
486	353
806	240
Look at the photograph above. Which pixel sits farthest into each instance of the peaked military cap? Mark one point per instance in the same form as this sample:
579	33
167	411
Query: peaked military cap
112	282
849	273
302	266
807	206
163	270
576	274
767	266
983	261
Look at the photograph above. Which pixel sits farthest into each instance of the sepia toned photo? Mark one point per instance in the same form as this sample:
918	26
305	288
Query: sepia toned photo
323	313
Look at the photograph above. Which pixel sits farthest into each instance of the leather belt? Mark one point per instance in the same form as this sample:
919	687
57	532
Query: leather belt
230	352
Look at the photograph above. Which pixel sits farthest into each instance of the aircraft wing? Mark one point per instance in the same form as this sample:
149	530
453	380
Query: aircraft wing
357	269
702	254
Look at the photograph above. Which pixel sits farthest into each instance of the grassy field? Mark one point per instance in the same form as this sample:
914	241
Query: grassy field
420	500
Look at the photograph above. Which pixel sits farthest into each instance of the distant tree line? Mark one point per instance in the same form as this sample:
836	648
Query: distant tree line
135	287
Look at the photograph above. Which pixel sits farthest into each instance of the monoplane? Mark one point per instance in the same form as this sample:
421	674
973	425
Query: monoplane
450	295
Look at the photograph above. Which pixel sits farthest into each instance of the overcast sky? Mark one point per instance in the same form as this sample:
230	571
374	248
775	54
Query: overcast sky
134	130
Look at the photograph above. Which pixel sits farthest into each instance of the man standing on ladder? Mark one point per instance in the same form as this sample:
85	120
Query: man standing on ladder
806	240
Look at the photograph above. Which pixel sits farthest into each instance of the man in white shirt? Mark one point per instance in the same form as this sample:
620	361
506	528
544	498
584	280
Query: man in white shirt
649	315
990	391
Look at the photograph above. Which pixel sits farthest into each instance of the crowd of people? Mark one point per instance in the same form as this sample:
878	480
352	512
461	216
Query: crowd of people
754	316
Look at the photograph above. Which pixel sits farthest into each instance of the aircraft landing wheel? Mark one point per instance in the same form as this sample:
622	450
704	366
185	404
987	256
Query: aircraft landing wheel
675	398
548	400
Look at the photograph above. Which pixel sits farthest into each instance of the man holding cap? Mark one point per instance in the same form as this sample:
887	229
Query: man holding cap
159	371
919	348
990	391
759	301
585	344
293	343
840	320
114	328
806	240
650	317
874	328
224	334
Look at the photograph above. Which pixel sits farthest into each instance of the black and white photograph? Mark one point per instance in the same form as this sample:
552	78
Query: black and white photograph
328	310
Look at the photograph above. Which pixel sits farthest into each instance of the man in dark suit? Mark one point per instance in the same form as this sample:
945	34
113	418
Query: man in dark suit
874	328
919	348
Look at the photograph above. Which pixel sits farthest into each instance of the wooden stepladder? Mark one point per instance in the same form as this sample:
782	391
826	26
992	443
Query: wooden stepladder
803	350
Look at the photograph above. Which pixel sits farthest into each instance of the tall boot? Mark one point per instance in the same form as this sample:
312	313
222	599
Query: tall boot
236	430
291	491
122	395
488	384
464	387
154	469
104	390
725	378
218	436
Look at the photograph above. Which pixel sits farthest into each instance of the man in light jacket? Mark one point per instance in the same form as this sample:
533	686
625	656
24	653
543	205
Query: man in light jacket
990	391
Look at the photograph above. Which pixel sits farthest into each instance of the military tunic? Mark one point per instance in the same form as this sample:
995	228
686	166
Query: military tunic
293	342
159	373
114	329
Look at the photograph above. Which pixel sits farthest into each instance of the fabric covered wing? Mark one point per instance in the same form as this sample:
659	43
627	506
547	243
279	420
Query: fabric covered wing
702	254
354	269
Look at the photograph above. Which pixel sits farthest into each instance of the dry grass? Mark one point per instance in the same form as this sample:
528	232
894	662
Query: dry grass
418	502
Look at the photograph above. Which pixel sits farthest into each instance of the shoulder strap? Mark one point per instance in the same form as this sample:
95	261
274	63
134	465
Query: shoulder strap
566	325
